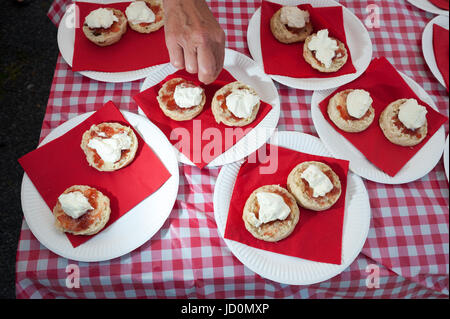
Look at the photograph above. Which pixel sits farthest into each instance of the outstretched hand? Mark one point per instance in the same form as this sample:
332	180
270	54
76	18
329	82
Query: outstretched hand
194	38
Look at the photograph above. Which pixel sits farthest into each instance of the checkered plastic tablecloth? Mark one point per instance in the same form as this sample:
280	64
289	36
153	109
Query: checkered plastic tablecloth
408	238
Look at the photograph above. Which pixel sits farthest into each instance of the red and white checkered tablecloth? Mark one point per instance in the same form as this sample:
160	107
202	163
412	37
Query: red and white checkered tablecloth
409	232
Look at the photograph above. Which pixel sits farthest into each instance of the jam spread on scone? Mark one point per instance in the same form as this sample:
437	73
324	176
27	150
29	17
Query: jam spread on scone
86	219
344	112
106	132
156	10
168	97
409	117
330	189
238	104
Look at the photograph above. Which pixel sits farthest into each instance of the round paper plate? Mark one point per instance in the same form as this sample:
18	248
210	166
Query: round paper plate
427	46
420	165
243	69
127	233
287	269
358	41
428	6
66	42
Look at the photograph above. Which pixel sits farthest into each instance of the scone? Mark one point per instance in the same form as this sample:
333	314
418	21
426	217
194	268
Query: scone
145	16
270	213
291	25
235	104
81	210
105	26
314	185
351	110
109	146
181	100
323	53
404	122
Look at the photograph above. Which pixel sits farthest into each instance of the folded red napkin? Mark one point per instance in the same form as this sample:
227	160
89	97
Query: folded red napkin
442	4
287	59
317	236
385	85
441	51
61	163
134	51
201	139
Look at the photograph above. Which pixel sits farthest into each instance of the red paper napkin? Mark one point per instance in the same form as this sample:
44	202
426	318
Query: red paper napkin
134	51
201	139
287	59
443	4
317	236
385	85
441	51
61	163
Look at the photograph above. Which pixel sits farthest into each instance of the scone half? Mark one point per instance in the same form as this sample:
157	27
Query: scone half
107	130
220	110
303	193
339	60
170	108
157	8
275	230
395	131
111	35
337	111
285	34
92	221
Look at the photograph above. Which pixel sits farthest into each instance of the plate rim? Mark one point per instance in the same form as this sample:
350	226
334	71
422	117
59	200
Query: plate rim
70	254
338	268
254	20
275	108
428	54
395	180
437	10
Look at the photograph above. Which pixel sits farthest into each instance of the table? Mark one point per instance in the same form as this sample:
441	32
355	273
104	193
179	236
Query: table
408	241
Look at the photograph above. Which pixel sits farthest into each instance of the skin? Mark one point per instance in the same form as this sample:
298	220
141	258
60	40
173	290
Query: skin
194	38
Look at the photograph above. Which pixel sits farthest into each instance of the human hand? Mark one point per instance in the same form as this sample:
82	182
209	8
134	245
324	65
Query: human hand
194	38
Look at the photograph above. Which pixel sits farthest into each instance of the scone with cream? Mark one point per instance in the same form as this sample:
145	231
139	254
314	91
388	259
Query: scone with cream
105	26
270	213
324	53
404	122
81	210
181	100
235	104
145	16
109	146
291	25
351	110
314	185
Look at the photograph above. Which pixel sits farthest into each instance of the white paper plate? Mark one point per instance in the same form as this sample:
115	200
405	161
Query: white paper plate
428	6
127	233
358	41
247	71
287	269
420	165
427	46
446	158
66	42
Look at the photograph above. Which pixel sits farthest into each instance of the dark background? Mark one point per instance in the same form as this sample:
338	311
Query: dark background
28	52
